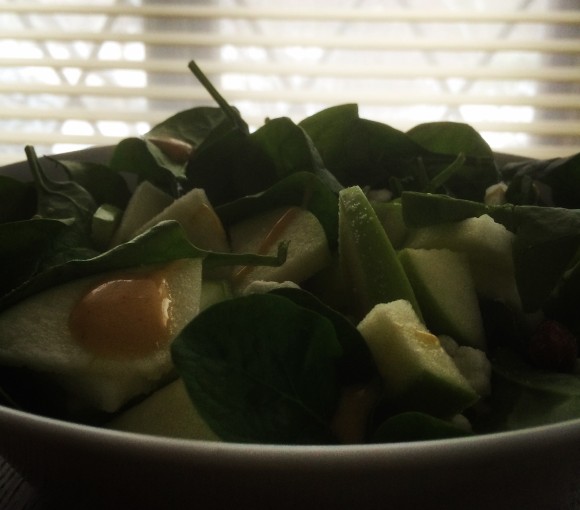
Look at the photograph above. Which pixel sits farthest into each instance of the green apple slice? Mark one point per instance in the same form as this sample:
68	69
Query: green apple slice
445	290
367	257
308	250
105	339
390	215
196	215
167	412
146	202
418	373
488	246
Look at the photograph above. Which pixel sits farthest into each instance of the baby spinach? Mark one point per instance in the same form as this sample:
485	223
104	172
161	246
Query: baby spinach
147	158
24	245
368	153
477	170
237	164
357	364
415	426
525	396
303	189
105	185
147	162
262	369
553	182
17	199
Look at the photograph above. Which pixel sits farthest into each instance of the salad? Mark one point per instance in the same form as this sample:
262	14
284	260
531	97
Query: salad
331	281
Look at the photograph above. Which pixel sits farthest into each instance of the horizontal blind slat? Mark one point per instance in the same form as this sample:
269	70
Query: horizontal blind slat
534	127
428	44
367	97
46	138
318	70
444	15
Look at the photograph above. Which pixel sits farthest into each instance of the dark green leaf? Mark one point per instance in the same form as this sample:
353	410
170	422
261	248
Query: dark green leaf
67	201
104	184
24	247
145	160
261	369
17	199
524	396
554	181
415	426
302	189
357	365
450	138
192	126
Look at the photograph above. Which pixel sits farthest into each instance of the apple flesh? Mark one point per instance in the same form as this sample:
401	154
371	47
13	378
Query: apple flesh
196	215
417	372
168	412
146	202
445	290
93	380
370	264
308	250
488	246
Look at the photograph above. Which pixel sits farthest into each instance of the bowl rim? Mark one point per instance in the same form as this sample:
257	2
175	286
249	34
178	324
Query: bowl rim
555	433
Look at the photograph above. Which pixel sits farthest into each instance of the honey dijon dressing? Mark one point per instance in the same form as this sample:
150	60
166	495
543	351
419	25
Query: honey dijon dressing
126	317
273	236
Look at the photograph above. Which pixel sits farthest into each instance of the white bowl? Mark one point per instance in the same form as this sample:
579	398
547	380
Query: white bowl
96	468
86	467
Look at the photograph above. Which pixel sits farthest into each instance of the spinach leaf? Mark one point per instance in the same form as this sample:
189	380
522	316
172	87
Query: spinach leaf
357	364
302	189
17	199
360	151
262	369
66	201
161	155
451	138
478	169
368	153
147	162
191	126
24	245
552	182
105	185
236	164
164	242
524	396
59	199
415	426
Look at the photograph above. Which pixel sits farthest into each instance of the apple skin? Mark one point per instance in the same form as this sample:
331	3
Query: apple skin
417	372
445	289
488	246
368	259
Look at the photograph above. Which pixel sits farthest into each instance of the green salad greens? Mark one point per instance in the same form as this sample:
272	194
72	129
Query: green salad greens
367	344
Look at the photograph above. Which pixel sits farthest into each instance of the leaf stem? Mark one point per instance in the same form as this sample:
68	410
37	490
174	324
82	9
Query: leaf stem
230	112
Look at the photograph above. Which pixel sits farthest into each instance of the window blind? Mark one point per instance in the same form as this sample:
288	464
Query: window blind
76	74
